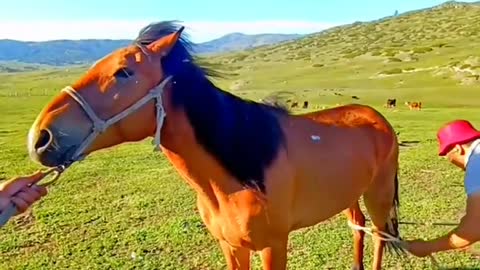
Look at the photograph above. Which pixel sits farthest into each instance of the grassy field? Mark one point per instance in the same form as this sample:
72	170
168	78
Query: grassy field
126	208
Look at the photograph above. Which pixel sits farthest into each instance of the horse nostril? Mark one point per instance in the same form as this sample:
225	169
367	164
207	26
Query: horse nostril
43	141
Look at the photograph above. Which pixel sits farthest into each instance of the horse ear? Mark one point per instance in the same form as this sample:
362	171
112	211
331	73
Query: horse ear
165	44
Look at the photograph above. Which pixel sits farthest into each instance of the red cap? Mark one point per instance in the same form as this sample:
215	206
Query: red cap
455	132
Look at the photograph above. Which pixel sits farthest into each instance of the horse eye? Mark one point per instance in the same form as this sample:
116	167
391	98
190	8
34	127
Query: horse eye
123	73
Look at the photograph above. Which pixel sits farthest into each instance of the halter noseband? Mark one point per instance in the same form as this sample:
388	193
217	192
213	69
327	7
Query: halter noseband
99	125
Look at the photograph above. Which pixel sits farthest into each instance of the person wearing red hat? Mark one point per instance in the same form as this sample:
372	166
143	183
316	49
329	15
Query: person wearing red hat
459	141
22	192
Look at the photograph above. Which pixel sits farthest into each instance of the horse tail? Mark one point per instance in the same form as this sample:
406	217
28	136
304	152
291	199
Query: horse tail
392	223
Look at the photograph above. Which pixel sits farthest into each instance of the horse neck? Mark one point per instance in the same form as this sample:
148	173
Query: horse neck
202	172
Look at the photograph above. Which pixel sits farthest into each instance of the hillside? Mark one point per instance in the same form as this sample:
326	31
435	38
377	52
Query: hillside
239	41
57	52
432	49
69	52
428	55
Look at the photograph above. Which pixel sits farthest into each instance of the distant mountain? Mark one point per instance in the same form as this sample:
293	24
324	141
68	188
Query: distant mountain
57	52
432	48
239	41
68	52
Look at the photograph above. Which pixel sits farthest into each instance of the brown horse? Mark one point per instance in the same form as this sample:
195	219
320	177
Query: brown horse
414	105
259	172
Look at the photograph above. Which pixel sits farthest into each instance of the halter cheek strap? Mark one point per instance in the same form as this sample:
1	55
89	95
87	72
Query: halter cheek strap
99	125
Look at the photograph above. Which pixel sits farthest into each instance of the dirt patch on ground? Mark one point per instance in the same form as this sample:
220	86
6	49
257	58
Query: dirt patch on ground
239	84
475	251
24	220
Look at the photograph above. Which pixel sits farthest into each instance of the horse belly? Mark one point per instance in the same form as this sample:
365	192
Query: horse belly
238	227
326	193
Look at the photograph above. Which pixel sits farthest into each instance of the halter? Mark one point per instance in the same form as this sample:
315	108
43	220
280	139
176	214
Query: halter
99	125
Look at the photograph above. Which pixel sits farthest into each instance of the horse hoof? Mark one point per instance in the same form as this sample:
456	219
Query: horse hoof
357	267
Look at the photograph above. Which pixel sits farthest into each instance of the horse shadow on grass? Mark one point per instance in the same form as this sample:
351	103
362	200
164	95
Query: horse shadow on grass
459	268
408	144
474	254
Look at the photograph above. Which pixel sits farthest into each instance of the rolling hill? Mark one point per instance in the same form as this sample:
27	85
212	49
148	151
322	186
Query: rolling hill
71	52
239	41
427	55
432	49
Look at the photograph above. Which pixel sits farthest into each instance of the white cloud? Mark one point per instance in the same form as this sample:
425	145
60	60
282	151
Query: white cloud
199	31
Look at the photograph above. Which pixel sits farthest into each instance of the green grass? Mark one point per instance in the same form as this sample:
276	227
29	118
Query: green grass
128	200
126	208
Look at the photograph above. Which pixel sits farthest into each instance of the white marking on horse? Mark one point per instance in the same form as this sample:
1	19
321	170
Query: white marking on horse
315	138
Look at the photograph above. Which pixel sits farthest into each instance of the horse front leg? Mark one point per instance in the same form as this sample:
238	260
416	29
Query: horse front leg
274	257
237	258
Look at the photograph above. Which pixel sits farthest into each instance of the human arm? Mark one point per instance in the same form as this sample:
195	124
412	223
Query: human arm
463	236
468	231
22	192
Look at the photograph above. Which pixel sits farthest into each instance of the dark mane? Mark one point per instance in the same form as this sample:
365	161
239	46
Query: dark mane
243	135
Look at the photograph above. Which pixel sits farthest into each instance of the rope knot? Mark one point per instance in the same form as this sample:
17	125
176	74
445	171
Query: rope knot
155	93
99	126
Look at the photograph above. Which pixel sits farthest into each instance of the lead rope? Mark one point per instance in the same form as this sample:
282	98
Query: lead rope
390	238
160	118
11	210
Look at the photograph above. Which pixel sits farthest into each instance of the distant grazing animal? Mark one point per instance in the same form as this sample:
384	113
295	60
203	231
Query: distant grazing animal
272	102
258	171
305	104
294	104
391	103
414	105
355	97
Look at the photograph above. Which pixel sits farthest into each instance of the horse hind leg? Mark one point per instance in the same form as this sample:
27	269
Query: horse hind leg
381	201
355	216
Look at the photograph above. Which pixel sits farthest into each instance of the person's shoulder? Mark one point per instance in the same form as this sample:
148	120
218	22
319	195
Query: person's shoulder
473	157
472	170
476	147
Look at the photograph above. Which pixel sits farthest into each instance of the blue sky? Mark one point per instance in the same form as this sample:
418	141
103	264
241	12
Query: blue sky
204	19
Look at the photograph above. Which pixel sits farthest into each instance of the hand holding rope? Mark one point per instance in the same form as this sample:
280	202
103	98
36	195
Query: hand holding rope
390	238
11	210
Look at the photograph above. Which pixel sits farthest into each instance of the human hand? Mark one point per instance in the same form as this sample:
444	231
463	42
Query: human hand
418	247
22	192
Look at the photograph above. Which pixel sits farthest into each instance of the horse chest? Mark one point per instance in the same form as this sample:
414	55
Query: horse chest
238	224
